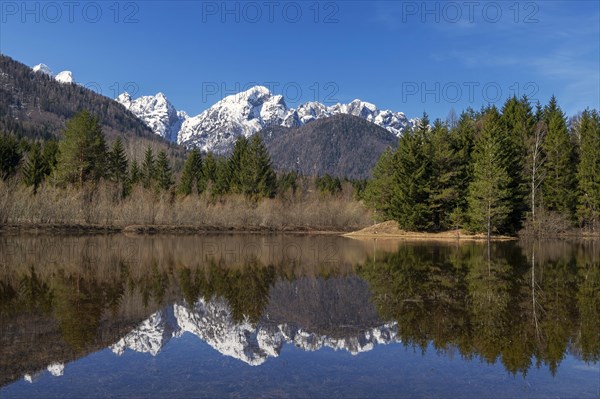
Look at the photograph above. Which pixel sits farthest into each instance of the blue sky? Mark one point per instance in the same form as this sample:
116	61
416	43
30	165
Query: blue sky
406	56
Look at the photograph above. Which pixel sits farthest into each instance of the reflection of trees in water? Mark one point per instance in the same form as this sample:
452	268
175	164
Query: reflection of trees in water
246	288
497	307
81	300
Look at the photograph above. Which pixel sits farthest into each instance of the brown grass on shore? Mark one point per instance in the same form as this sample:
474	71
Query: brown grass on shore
390	229
100	207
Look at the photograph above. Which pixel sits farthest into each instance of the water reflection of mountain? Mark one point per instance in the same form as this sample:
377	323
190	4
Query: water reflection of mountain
72	296
308	313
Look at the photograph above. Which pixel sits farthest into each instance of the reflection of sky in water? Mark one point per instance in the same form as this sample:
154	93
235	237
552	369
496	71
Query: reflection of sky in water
188	367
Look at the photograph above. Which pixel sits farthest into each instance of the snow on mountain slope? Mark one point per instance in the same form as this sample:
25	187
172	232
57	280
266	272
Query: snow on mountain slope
42	68
244	114
157	112
212	322
62	77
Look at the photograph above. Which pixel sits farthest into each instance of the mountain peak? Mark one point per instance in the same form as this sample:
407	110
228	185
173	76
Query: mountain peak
156	112
123	98
43	68
64	77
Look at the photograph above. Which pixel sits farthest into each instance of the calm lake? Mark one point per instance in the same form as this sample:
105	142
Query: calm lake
297	316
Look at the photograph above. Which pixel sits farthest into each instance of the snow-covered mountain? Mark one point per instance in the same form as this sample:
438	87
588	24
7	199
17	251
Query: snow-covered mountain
244	114
62	77
241	114
157	112
43	68
212	322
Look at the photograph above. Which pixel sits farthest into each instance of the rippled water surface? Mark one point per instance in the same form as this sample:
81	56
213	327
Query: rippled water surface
297	316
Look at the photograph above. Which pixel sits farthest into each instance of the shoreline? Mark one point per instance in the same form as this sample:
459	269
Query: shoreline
367	233
84	229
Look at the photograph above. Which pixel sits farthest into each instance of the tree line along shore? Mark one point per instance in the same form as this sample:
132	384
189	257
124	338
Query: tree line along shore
503	172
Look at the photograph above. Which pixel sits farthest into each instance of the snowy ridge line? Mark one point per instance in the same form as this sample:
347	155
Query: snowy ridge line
241	114
212	321
244	114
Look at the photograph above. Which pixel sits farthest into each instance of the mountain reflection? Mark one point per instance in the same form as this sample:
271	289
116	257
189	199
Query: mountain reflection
524	305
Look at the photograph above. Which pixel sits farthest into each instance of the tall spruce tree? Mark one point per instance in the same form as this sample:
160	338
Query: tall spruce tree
489	191
463	141
380	189
50	154
588	170
235	164
135	174
221	185
250	169
164	175
518	124
559	184
209	168
192	177
409	205
82	151
35	169
443	180
257	176
148	172
117	162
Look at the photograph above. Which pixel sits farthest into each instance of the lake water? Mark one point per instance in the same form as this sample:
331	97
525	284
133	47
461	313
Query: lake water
297	316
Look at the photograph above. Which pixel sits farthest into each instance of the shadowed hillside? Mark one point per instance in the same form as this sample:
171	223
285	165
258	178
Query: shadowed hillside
341	145
35	105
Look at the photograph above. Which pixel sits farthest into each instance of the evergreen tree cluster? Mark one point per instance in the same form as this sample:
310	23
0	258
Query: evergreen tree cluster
83	156
492	170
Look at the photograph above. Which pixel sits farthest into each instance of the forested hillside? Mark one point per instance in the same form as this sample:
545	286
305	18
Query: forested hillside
340	145
36	106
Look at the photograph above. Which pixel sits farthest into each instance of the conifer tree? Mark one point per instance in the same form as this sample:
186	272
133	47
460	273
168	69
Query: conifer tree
148	172
559	184
250	169
118	162
380	189
588	170
235	164
209	168
221	185
134	173
409	202
489	193
10	155
518	124
463	139
164	175
443	184
259	179
34	169
50	154
192	178
82	151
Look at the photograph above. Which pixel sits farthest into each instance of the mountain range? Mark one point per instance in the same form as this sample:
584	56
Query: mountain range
313	139
246	113
253	344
